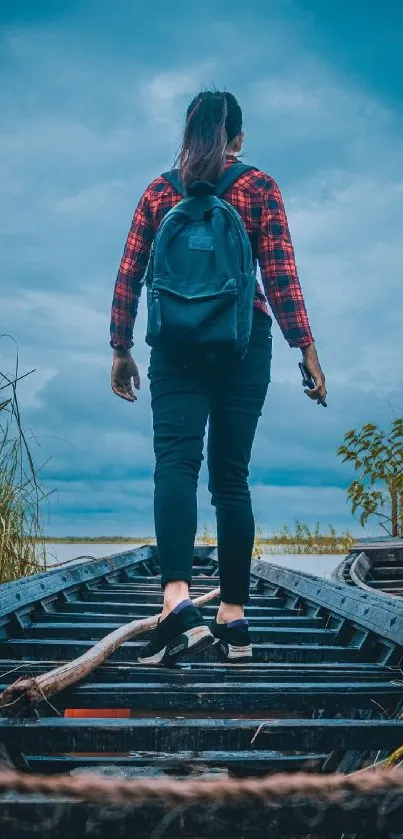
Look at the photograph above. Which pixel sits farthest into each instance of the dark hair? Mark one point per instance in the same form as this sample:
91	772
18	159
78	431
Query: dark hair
213	120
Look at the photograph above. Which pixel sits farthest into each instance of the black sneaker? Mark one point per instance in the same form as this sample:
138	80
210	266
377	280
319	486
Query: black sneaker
233	641
176	636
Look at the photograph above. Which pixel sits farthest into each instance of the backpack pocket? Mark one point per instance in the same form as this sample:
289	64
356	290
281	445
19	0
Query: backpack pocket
178	320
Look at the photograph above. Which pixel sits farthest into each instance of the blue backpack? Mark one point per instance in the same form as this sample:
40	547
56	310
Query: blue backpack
201	277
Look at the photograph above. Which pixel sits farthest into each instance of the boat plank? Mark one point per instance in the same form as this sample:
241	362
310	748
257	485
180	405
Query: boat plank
323	693
57	735
66	649
329	697
66	819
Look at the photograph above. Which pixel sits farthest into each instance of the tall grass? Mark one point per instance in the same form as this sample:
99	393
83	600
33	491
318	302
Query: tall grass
300	538
296	539
22	548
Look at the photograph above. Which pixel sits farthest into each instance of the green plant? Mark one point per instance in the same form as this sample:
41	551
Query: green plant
208	536
22	549
302	539
258	547
299	539
377	456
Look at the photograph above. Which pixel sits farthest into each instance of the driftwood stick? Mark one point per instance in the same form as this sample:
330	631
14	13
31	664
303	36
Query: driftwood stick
25	693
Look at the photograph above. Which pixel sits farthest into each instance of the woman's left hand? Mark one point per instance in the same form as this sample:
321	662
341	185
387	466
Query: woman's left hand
124	376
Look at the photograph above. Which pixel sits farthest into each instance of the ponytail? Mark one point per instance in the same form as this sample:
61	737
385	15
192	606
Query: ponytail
202	155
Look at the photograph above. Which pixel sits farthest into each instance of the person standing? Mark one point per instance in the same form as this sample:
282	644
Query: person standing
190	388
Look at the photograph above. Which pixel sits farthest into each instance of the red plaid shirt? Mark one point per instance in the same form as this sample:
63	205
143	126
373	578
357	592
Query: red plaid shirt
258	200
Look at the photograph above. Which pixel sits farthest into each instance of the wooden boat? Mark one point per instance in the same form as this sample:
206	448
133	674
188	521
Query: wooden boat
374	565
323	694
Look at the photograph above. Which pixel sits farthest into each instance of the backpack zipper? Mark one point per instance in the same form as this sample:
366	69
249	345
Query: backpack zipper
156	296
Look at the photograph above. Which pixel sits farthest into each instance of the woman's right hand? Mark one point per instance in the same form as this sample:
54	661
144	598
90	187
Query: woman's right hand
124	375
311	362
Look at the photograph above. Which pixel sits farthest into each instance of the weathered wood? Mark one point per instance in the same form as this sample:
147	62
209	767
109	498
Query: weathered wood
64	618
66	819
384	543
30	692
140	610
56	735
64	649
95	630
375	566
139	598
321	649
331	698
245	762
375	613
222	673
290	804
31	589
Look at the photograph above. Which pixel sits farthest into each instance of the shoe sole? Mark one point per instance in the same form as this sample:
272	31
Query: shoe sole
191	642
236	655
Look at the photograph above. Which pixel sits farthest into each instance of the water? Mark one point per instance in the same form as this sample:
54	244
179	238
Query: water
321	565
64	551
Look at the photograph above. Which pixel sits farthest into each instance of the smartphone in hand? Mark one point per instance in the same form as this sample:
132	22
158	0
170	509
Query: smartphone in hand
308	382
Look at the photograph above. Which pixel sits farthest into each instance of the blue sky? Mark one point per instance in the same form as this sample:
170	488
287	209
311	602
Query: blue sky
92	97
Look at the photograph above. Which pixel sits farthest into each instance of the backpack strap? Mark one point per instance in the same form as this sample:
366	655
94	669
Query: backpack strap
231	174
173	178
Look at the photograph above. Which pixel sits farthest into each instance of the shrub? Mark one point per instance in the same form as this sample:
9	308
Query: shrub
22	548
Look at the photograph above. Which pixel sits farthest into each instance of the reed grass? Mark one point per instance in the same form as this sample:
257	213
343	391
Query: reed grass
22	547
296	539
301	539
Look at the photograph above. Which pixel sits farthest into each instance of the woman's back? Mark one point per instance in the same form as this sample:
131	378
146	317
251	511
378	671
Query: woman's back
258	200
188	391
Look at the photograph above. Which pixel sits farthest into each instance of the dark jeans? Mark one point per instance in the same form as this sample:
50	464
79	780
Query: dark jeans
185	394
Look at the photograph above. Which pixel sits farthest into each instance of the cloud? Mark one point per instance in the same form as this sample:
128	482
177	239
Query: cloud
88	123
308	102
164	95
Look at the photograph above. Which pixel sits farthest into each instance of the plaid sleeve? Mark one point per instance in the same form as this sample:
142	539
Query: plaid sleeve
279	271
130	275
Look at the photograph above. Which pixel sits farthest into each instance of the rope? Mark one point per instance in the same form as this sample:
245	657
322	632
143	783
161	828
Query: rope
273	790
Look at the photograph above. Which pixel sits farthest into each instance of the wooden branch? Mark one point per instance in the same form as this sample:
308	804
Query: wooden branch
384	528
25	693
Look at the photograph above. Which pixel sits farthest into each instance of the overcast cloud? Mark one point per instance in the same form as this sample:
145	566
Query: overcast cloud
92	99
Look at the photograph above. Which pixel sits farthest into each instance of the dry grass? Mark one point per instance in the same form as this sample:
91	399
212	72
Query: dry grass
299	539
22	548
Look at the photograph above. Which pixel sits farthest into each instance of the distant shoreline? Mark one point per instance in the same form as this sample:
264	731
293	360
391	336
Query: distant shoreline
298	546
98	540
